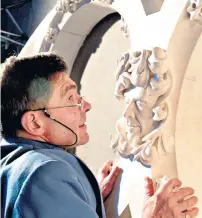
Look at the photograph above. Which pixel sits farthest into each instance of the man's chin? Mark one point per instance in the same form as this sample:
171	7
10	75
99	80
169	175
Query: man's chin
83	139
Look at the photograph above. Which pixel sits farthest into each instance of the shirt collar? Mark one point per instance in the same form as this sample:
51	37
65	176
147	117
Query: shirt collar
35	144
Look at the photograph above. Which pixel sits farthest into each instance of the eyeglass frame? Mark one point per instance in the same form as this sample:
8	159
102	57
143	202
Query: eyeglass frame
70	106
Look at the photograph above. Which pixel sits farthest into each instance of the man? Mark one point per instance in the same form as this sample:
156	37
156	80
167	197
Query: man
42	117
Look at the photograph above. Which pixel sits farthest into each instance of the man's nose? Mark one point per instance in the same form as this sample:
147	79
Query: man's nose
130	110
86	106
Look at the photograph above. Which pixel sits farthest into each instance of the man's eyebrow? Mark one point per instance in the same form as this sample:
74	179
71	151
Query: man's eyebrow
66	88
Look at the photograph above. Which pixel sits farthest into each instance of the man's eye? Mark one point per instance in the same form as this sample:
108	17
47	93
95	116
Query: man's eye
79	100
70	97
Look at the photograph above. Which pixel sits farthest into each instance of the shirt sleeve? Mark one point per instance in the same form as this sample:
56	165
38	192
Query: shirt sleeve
53	191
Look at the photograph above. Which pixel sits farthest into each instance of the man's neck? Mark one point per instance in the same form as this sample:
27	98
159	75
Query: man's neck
25	135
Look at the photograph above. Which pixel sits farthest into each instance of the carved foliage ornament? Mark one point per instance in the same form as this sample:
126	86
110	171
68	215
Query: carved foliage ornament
52	35
143	81
65	6
62	7
124	27
195	10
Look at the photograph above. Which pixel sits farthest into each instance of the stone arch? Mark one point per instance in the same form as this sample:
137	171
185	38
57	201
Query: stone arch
67	27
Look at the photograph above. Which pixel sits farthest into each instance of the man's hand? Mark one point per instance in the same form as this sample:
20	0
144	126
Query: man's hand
107	177
169	202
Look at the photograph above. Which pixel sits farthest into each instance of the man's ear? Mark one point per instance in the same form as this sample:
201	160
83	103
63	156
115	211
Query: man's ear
31	123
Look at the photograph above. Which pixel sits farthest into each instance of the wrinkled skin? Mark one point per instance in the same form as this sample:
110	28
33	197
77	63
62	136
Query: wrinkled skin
169	200
107	177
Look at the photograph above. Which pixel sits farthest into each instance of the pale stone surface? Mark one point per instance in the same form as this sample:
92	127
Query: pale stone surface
188	126
152	6
68	40
98	91
80	24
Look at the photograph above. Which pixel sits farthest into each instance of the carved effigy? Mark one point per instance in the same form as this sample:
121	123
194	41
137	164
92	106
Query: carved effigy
62	7
144	81
51	35
195	10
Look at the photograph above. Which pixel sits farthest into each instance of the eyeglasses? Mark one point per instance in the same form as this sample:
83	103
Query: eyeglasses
80	104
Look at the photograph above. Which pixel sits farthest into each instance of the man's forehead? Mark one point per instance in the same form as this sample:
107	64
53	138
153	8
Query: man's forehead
64	83
67	86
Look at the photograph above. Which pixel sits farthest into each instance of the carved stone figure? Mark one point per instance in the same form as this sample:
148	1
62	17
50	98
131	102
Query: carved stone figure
144	82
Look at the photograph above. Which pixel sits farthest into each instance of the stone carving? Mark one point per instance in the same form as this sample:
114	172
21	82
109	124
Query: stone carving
64	6
143	81
52	35
195	10
124	27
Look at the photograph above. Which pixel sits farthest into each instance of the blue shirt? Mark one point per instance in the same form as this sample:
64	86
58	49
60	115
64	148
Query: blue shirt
44	181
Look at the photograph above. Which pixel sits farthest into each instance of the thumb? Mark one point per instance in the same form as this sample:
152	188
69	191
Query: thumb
149	189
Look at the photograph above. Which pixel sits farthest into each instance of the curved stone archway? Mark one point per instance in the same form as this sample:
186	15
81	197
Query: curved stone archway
65	27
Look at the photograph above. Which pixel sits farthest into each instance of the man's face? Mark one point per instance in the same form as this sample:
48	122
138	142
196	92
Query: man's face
64	93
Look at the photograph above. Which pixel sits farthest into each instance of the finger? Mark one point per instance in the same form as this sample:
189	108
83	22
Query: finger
186	204
169	185
193	212
114	173
113	176
149	189
111	179
182	193
106	168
